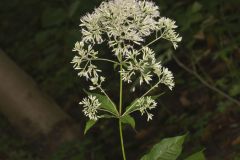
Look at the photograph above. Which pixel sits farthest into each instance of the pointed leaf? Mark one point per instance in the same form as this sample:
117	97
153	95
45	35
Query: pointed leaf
131	105
105	102
197	156
89	125
128	120
115	66
167	149
134	103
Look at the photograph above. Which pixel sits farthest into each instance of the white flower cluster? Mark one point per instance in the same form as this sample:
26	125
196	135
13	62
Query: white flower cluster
124	26
167	78
129	20
167	27
91	106
124	22
145	64
83	62
144	104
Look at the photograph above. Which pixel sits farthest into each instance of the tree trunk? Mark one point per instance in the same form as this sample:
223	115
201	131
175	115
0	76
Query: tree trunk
28	109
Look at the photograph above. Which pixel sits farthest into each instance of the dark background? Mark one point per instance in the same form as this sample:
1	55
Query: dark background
39	36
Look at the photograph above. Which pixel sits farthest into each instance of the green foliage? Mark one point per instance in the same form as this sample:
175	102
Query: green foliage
127	119
41	42
130	107
196	156
133	107
89	125
167	149
170	149
105	102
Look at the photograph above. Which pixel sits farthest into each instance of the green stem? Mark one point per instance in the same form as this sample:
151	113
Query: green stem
121	138
120	94
101	59
155	40
120	111
107	60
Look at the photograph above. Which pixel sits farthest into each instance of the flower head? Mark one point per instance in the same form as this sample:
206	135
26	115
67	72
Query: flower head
91	106
124	26
125	21
144	104
167	78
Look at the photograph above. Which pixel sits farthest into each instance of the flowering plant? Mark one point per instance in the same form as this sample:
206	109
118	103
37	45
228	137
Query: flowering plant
124	26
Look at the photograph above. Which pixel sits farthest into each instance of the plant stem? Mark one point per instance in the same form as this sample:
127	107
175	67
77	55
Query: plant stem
107	60
102	59
121	138
120	111
201	79
120	92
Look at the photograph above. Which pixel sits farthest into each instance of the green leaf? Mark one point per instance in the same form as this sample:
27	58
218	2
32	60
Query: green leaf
128	120
105	102
132	107
133	102
89	125
197	156
167	149
115	66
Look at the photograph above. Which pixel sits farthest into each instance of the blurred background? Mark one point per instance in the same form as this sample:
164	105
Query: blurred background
40	118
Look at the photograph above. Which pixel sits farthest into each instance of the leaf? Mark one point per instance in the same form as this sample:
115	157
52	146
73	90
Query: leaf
115	66
167	149
105	102
128	120
128	109
197	156
89	125
134	102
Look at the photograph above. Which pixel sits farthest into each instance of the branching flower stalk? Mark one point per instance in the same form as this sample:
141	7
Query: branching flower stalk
123	25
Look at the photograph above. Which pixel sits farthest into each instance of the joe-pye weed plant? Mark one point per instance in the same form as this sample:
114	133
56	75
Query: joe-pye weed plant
124	25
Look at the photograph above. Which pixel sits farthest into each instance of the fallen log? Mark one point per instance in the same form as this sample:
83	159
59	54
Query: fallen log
33	113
